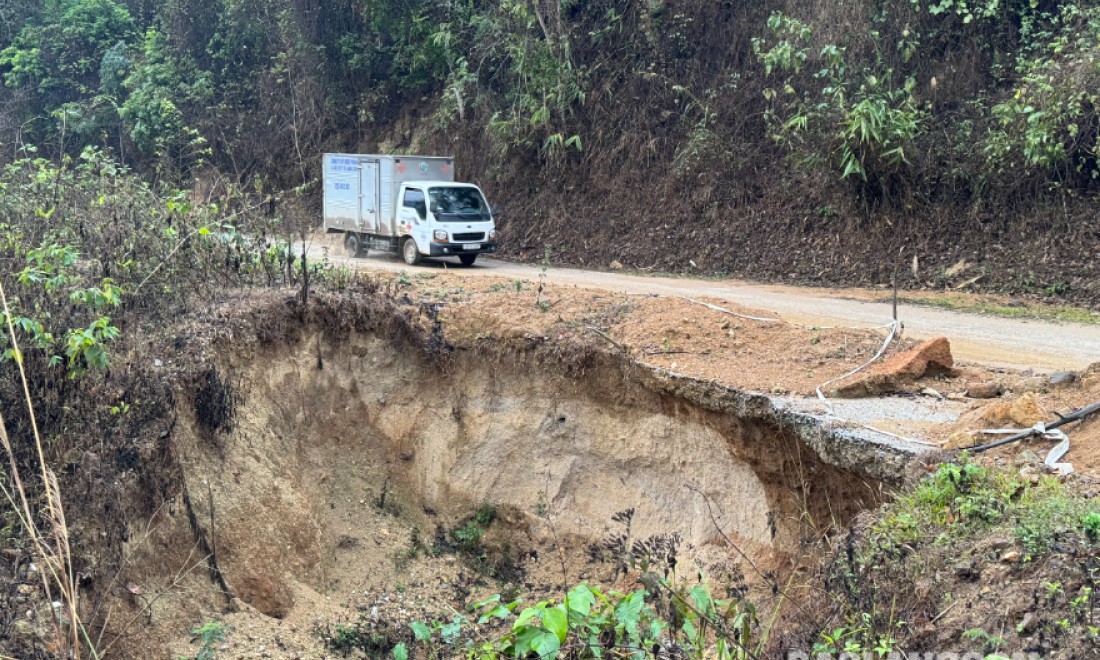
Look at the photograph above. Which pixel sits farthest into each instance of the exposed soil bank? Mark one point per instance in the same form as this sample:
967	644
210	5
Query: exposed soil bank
288	447
504	432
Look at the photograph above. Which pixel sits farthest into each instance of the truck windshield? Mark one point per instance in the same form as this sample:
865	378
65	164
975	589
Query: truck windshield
458	204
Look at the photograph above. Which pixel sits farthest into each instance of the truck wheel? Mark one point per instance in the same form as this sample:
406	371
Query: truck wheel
467	259
410	252
353	244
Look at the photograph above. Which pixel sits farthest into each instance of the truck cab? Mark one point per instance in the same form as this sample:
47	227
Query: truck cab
443	219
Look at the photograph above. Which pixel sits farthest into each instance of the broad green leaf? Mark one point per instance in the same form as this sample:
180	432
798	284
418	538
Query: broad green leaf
701	598
400	652
546	645
628	613
556	621
451	631
524	637
203	231
488	601
530	613
581	599
422	632
498	612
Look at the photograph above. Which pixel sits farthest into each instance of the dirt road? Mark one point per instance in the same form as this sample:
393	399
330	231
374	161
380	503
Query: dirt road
995	341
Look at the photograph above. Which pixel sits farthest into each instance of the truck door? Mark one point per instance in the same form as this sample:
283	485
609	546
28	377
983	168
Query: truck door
413	216
368	197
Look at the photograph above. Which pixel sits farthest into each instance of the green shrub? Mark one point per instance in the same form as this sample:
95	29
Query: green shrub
862	121
1090	522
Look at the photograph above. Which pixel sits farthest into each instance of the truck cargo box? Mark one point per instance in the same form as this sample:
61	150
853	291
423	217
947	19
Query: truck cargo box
360	191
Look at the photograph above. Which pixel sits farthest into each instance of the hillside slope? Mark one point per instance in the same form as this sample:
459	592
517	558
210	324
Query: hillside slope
800	140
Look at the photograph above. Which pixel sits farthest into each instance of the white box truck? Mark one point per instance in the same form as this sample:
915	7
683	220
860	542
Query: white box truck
410	205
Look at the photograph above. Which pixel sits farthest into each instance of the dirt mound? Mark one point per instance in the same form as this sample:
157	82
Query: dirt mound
1022	412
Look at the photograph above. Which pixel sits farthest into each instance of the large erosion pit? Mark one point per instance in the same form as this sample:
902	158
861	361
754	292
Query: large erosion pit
285	445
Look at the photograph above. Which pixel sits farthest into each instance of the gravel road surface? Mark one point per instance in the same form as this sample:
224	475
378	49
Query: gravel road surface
994	341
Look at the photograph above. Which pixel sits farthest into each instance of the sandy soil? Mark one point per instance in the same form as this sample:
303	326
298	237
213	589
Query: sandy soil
330	506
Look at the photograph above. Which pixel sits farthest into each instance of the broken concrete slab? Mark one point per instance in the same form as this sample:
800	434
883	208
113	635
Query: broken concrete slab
863	450
1029	384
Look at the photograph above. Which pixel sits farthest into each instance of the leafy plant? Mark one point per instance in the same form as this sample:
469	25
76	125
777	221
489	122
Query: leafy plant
596	621
1090	522
591	623
864	121
209	635
991	642
1049	120
787	50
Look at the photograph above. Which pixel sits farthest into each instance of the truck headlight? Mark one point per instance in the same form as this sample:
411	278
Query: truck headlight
492	234
440	235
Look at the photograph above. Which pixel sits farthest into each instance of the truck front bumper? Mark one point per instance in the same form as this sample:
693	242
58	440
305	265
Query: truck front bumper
455	249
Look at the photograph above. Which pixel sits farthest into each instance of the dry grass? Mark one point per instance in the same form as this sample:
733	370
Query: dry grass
51	548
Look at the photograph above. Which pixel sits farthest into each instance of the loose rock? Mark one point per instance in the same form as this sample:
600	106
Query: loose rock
1023	412
959	440
965	570
1029	384
984	390
1061	378
1029	623
1091	377
1027	457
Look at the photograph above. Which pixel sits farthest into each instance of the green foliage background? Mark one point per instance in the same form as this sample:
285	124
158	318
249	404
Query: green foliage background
867	90
957	128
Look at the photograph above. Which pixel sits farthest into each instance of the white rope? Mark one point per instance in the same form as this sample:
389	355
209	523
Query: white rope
901	437
845	327
821	395
716	308
1054	455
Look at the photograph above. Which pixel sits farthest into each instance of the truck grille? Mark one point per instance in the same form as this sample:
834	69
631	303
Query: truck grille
474	236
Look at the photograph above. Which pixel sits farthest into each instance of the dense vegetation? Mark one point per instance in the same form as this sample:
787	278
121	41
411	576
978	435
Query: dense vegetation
900	97
98	267
954	129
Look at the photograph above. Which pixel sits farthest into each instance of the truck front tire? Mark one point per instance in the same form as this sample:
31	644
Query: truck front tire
410	252
467	259
353	244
